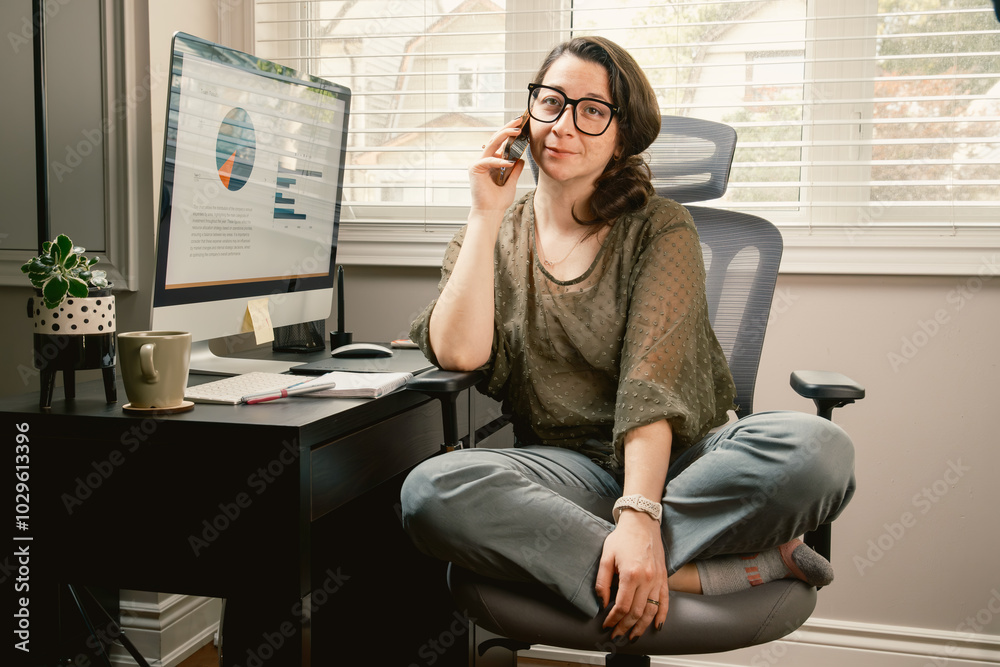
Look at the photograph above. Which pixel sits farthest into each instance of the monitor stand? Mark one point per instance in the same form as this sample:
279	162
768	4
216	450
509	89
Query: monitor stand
206	362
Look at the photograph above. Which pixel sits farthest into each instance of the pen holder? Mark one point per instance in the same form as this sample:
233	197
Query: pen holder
339	339
304	337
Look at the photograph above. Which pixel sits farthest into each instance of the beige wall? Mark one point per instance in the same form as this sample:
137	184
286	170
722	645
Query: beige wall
926	351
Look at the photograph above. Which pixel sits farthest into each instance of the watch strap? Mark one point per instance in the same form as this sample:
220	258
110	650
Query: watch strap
638	503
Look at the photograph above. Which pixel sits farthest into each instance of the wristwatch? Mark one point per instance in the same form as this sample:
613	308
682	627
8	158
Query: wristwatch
640	504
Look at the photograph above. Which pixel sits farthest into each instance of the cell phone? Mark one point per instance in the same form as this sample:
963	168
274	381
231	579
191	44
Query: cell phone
513	150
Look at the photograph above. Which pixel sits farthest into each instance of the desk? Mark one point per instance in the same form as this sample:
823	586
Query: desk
281	508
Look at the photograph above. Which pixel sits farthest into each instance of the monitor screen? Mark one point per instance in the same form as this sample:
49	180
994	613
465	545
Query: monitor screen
253	165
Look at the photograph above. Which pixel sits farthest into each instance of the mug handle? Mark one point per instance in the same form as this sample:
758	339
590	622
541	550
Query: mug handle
149	373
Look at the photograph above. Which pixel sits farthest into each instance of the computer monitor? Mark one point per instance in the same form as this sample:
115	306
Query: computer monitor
253	165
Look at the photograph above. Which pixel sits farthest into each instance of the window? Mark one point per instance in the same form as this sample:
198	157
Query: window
869	129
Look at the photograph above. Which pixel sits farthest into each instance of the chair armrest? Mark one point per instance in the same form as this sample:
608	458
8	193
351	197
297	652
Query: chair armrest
446	387
827	389
437	381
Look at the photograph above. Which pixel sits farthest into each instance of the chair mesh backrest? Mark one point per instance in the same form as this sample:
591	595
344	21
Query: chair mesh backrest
690	162
691	158
742	253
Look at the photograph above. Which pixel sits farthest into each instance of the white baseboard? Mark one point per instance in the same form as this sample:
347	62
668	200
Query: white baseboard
824	643
166	629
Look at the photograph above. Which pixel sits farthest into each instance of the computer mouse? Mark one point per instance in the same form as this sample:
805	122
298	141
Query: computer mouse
362	350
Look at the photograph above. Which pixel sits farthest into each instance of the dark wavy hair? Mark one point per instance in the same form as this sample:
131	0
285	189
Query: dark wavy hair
625	184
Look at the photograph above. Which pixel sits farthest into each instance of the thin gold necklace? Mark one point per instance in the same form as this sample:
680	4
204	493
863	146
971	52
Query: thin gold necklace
553	263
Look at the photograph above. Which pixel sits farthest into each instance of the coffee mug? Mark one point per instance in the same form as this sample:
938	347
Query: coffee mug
154	367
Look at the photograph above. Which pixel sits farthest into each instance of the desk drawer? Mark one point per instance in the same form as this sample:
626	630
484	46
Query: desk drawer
346	468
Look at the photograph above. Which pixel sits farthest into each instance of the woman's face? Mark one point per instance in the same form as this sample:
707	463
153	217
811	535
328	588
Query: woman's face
561	151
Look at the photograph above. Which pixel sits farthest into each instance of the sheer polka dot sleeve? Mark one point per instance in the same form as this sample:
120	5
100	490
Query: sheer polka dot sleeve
672	366
420	328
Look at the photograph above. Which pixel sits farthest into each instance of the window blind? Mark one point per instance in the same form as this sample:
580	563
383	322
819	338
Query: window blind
868	122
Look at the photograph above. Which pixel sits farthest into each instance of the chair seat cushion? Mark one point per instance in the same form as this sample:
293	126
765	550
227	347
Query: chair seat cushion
695	623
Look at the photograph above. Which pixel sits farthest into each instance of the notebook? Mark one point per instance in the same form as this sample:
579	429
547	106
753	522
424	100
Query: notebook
357	385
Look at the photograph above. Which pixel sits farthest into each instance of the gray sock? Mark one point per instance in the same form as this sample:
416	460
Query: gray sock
728	574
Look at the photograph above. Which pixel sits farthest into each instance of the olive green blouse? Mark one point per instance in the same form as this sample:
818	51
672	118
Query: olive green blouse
578	363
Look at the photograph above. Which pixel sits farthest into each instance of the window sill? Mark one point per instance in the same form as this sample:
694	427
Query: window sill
925	253
961	252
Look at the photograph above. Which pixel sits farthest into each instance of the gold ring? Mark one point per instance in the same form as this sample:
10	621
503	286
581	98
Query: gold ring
653	602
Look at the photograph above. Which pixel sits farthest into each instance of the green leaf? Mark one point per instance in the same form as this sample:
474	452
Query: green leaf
38	279
64	245
54	291
71	261
77	288
37	272
37	266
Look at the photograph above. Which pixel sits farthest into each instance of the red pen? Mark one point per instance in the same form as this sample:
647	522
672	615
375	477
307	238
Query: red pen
296	390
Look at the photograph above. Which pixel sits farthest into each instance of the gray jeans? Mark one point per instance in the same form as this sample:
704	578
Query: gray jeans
543	513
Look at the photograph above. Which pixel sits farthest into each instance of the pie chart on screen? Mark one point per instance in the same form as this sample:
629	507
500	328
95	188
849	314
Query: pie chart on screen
235	149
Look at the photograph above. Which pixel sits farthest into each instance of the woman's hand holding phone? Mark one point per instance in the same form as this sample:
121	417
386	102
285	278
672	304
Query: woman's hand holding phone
484	174
513	150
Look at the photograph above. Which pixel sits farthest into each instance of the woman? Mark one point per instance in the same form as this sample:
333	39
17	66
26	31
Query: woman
585	303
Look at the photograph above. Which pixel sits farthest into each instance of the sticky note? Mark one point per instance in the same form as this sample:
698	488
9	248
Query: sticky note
258	319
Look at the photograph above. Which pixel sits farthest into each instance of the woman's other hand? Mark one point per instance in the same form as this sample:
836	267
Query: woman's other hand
634	551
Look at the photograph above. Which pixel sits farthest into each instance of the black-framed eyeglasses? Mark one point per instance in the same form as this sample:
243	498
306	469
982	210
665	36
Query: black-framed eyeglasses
591	116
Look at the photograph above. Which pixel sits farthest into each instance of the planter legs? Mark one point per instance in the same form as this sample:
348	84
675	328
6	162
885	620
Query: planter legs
48	385
110	386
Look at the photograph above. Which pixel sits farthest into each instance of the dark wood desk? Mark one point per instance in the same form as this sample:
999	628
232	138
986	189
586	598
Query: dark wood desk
289	510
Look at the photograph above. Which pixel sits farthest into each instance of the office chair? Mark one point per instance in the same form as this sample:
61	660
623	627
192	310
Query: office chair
690	161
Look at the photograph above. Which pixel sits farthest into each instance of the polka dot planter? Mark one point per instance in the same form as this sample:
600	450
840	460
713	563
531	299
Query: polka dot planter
90	315
79	334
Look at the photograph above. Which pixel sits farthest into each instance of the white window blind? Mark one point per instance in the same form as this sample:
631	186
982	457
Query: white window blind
869	130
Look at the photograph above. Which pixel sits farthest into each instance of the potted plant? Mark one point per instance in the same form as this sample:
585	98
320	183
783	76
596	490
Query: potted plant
74	317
